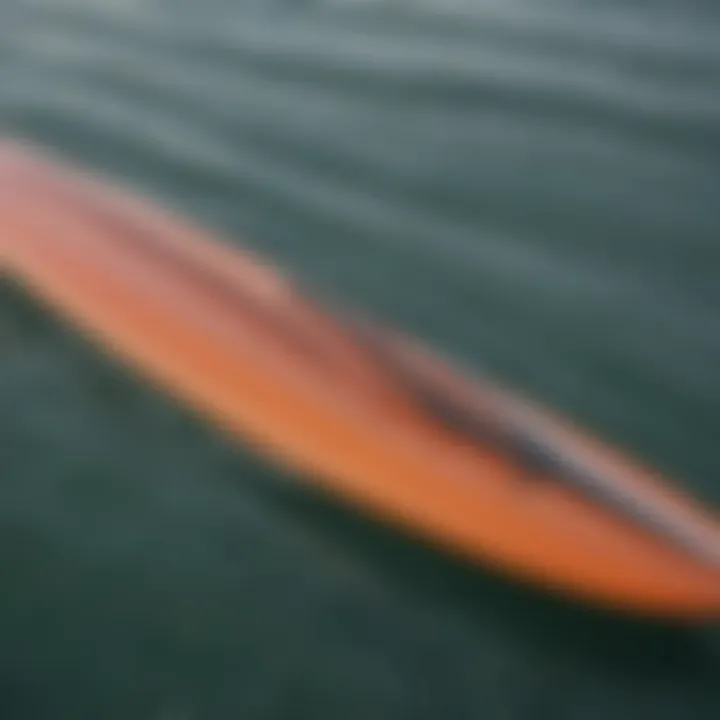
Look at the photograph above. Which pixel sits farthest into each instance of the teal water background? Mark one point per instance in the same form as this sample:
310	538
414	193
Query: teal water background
530	186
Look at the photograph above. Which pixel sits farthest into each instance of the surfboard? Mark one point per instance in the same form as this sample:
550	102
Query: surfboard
366	412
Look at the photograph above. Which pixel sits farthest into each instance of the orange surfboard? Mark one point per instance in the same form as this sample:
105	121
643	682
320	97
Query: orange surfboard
363	410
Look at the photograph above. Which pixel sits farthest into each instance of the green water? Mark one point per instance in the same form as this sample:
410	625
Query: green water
531	186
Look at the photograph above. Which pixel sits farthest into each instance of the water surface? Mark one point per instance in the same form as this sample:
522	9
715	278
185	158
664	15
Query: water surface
531	186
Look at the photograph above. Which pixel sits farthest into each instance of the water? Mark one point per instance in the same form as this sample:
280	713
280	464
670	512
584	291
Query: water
531	186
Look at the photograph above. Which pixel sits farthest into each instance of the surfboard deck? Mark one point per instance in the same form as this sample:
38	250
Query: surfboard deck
366	412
